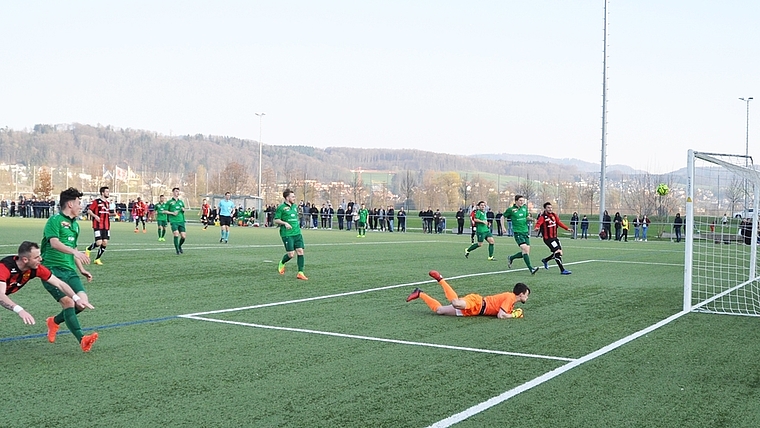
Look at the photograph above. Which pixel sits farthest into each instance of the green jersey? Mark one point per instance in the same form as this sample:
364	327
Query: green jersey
363	215
67	231
160	215
176	205
288	214
481	227
519	217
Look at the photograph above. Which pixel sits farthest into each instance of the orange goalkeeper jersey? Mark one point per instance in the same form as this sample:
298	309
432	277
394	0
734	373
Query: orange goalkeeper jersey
504	301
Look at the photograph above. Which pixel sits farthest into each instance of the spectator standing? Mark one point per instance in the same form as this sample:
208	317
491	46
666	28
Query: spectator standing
677	223
574	225
584	227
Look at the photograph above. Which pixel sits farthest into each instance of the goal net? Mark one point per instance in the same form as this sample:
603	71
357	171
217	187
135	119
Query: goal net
721	271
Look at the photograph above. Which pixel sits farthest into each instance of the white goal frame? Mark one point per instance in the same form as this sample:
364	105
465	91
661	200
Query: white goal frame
720	270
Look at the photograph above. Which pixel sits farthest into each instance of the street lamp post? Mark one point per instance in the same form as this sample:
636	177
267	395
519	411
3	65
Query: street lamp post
746	151
260	115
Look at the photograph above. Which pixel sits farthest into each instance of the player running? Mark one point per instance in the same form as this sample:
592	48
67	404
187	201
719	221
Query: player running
100	212
286	217
483	232
175	210
547	222
500	305
518	213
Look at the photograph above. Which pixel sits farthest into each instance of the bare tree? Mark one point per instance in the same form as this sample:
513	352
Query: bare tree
407	187
44	187
235	178
734	193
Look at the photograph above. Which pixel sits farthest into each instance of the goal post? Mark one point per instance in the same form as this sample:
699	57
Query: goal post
720	265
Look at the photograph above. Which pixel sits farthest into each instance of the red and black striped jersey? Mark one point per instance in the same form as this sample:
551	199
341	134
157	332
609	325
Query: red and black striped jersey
14	278
206	209
100	207
548	223
139	209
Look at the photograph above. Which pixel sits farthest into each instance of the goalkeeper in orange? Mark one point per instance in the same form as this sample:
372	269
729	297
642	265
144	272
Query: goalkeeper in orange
500	305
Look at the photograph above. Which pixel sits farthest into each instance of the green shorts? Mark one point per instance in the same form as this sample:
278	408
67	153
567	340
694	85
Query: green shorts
361	224
522	238
482	236
178	227
162	223
293	242
69	277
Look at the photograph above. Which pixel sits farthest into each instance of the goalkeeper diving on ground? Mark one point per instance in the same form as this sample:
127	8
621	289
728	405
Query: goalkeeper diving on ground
499	305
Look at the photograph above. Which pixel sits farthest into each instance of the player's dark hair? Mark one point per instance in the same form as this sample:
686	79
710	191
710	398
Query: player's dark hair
287	193
26	247
103	189
520	288
227	193
517	197
69	194
160	196
479	202
176	188
546	204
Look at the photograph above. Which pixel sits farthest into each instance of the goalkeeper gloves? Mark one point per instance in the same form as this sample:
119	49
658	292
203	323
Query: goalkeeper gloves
517	313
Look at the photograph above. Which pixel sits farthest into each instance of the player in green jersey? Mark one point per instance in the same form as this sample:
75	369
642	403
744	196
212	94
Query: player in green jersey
175	209
361	225
519	215
482	231
286	218
59	250
162	220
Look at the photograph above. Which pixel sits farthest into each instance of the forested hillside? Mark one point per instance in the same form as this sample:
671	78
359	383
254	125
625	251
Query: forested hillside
95	147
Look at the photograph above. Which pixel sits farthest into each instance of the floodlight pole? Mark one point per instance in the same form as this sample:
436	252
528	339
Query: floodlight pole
260	115
603	172
746	152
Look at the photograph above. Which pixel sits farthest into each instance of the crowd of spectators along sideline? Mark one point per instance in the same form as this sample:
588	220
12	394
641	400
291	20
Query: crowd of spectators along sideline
27	207
312	216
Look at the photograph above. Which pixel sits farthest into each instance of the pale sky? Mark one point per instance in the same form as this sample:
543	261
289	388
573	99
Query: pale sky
464	77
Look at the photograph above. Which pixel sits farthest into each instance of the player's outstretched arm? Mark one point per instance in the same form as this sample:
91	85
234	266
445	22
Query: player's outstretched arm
7	303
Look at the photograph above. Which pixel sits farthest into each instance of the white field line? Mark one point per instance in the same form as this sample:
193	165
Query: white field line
380	339
453	419
223	246
351	293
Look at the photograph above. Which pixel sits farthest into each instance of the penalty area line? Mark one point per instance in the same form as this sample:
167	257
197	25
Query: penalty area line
380	339
478	408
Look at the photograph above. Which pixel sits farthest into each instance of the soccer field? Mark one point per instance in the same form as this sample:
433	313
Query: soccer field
216	338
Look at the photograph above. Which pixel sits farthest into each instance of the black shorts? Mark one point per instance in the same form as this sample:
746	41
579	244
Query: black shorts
101	234
225	220
553	244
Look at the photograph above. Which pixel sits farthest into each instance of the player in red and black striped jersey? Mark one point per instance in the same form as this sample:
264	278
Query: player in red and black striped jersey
16	271
205	213
548	222
139	212
99	211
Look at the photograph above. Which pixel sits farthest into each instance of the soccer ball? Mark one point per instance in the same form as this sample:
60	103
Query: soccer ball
517	313
662	189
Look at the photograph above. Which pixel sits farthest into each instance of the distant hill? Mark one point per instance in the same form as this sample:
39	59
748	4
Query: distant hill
94	148
580	164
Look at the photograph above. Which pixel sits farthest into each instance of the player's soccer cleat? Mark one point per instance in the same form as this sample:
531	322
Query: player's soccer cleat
566	272
358	236
466	254
435	275
416	293
509	263
281	268
220	240
225	241
145	231
491	259
52	329
546	264
178	253
535	269
98	262
87	341
180	250
301	276
136	230
87	253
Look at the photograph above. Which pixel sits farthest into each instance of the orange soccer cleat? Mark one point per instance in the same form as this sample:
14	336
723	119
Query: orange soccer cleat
415	294
301	276
87	341
52	329
435	275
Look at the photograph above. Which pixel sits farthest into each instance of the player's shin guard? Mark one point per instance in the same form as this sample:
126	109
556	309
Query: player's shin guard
300	261
176	243
526	259
490	250
101	250
558	259
431	302
286	258
72	322
181	241
92	246
450	293
474	246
